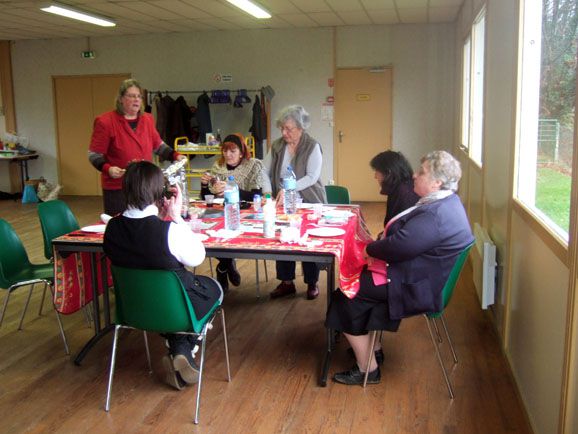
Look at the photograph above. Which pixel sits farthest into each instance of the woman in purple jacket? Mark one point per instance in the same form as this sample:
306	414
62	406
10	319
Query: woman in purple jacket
417	251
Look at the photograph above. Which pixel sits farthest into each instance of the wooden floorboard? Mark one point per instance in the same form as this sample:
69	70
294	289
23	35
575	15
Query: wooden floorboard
276	348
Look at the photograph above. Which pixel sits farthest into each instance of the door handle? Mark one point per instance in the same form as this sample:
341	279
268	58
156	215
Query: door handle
341	136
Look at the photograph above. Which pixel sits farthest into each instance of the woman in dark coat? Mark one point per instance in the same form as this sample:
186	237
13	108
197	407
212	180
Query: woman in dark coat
407	267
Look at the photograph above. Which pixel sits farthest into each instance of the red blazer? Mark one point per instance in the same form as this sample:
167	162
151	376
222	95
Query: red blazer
113	137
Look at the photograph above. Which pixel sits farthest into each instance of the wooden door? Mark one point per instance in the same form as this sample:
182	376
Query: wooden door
362	128
78	100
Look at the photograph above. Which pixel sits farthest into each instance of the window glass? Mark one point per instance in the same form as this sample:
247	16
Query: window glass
466	69
547	91
477	92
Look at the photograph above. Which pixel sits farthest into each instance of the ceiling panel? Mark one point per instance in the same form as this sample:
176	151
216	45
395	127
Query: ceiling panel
326	19
311	5
355	18
180	8
22	19
298	20
378	4
345	5
443	15
385	16
413	15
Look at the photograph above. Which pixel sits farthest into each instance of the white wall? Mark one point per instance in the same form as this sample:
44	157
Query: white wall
296	63
534	299
423	79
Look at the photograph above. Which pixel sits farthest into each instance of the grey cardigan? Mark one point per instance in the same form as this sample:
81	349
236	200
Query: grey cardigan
312	194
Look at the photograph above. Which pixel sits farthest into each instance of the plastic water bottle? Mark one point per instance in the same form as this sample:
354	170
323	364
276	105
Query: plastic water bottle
232	211
257	206
290	188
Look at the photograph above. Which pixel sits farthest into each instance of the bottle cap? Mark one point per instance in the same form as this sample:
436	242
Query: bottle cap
231	178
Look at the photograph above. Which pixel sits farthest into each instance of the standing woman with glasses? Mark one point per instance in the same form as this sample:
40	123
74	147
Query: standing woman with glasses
298	149
120	137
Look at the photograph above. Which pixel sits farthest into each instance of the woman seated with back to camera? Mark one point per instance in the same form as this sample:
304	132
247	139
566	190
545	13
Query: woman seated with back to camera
235	160
407	268
168	245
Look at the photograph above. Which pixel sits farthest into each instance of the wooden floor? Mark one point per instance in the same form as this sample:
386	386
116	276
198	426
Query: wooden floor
276	349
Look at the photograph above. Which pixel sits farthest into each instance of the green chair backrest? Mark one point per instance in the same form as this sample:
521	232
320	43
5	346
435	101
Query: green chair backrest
337	194
56	219
450	285
13	257
154	300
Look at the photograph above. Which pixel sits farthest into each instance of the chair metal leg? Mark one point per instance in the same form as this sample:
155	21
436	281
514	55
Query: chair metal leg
225	339
257	278
42	300
201	368
437	330
449	339
5	306
211	268
66	349
441	362
266	273
111	371
370	352
26	306
146	340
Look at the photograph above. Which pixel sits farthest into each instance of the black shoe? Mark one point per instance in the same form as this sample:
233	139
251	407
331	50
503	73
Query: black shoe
233	273
172	377
355	376
379	357
223	279
181	350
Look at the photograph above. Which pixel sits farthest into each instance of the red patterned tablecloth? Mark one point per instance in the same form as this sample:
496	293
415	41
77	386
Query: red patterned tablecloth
73	283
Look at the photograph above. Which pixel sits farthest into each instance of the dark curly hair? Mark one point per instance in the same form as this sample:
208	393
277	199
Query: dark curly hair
395	169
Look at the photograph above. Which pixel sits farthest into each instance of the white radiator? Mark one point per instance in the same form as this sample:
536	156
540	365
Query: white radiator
483	256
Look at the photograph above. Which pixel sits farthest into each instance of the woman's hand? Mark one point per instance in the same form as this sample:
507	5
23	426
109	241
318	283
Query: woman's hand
206	178
280	198
181	157
172	207
218	188
115	172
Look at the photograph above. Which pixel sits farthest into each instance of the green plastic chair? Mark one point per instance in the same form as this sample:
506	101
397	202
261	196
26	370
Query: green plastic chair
447	293
156	301
337	195
17	271
56	219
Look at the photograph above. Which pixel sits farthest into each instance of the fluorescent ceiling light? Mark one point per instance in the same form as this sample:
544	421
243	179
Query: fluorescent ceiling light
251	8
76	14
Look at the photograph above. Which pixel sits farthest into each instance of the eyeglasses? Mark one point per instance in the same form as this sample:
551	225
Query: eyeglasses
133	95
287	129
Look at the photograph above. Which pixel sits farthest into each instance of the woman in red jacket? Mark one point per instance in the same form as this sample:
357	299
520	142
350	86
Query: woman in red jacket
120	137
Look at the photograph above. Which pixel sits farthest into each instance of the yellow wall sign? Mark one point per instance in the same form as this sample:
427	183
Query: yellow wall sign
363	97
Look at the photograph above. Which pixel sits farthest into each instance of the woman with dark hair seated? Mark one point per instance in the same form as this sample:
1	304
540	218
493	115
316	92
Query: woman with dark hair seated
235	160
407	268
395	177
140	237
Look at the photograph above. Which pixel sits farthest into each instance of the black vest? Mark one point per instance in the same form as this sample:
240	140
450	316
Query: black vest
140	243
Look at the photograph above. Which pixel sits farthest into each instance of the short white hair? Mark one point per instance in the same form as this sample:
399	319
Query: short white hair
444	168
297	113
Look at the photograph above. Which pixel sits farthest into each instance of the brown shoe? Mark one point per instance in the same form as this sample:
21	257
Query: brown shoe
312	292
283	289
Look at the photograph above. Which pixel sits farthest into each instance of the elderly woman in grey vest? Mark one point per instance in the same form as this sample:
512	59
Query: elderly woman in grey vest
298	149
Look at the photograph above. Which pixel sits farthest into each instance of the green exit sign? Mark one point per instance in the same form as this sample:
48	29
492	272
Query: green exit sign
88	55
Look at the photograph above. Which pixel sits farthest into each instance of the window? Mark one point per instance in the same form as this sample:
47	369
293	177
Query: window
473	90
547	89
466	69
